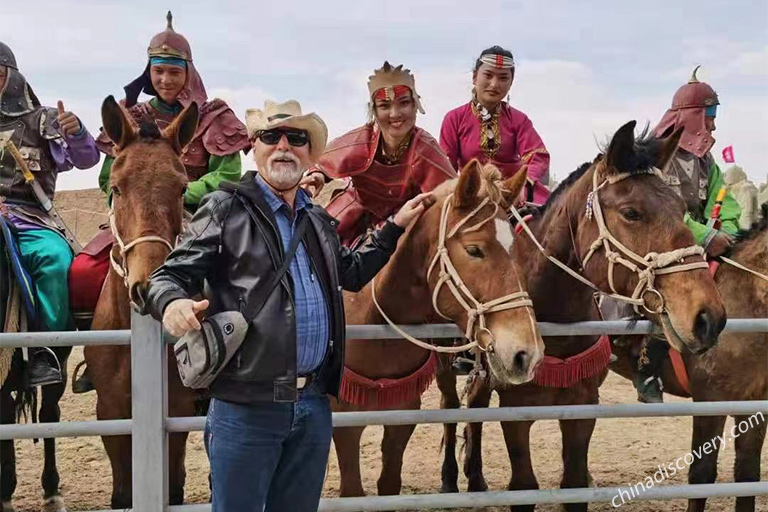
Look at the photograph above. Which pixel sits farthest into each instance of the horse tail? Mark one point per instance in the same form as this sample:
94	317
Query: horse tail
26	404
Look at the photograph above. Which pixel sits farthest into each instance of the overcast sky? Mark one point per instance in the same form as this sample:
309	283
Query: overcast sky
584	67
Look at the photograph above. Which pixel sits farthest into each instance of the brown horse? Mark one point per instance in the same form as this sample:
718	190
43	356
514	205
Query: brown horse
476	238
147	182
645	217
735	369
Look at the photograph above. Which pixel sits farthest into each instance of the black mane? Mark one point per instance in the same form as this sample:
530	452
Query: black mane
149	130
643	159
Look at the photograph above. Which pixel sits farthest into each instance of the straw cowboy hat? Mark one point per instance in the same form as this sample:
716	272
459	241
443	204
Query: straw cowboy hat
288	115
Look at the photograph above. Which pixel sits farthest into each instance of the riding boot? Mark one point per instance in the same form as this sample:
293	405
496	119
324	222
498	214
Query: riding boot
43	367
83	383
648	383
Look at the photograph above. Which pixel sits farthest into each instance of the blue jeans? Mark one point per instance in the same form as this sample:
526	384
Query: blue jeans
270	456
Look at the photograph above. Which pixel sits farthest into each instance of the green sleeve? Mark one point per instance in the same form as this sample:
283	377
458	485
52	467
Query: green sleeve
106	170
730	211
698	229
220	168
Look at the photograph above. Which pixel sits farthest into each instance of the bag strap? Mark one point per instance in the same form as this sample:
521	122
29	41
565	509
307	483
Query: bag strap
298	234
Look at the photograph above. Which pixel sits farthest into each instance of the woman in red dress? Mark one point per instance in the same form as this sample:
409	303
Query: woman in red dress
386	162
489	129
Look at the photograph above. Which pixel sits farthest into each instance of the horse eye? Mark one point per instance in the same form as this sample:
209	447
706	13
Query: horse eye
115	190
474	251
184	190
631	214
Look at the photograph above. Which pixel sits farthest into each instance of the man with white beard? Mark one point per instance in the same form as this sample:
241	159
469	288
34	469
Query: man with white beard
261	246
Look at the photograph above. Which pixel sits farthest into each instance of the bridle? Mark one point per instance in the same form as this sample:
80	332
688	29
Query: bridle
449	276
121	268
645	267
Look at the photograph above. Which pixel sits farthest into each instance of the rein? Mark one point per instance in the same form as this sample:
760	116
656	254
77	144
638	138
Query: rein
121	268
745	269
476	310
645	267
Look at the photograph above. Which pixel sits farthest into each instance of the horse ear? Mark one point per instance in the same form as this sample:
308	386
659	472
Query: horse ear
621	150
514	185
182	130
116	124
469	184
669	148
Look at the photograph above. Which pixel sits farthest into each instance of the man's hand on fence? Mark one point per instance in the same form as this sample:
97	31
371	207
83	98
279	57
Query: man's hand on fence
181	316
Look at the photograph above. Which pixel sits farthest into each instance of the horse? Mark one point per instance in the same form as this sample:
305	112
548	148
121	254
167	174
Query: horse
147	182
441	269
14	318
596	224
735	369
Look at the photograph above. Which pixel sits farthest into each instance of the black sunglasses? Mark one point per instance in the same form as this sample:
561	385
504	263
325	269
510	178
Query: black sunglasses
295	137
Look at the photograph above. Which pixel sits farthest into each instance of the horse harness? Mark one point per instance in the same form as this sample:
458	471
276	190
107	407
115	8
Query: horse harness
645	267
121	268
449	276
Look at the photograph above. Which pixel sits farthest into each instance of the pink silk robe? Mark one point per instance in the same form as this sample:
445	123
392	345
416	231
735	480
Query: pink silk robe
520	145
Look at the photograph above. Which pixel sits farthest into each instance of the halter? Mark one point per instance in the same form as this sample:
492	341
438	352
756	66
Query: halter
122	268
645	267
476	324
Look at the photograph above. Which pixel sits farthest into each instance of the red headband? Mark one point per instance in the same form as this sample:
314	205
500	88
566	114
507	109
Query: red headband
390	93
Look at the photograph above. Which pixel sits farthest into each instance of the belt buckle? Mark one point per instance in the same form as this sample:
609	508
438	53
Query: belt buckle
301	382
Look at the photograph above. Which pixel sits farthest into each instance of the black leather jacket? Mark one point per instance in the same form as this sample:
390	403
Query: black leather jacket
232	248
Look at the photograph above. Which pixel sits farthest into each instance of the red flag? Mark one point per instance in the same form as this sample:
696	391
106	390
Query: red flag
728	155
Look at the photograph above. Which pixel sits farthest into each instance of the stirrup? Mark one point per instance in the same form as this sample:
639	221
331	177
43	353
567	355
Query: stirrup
43	368
82	383
650	391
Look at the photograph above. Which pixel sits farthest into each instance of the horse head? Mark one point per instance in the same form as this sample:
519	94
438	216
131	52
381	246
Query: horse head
148	182
629	236
472	278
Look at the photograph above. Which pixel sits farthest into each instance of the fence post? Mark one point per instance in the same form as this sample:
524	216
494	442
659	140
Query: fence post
149	399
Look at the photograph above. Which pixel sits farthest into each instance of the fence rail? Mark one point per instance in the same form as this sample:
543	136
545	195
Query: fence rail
150	425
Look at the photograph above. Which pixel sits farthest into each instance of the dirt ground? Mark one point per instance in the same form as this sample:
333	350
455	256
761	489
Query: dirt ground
622	452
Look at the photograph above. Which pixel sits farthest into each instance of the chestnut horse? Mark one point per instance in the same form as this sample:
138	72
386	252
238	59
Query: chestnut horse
147	182
462	242
735	369
629	210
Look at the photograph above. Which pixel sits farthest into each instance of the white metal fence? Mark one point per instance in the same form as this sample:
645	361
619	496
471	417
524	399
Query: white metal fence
150	425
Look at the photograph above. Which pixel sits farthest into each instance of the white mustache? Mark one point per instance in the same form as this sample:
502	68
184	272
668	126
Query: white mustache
283	155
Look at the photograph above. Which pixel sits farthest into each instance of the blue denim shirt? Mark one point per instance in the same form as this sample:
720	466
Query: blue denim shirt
312	329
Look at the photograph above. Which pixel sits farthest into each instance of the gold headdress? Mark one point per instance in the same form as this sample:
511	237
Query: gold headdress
388	77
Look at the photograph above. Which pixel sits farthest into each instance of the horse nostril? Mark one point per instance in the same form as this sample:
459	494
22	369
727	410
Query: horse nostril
137	293
707	328
521	361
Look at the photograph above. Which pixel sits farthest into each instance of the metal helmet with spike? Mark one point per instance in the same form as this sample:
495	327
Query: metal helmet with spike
695	94
388	77
688	110
170	43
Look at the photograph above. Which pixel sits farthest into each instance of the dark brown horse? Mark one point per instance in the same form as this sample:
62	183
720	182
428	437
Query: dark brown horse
643	215
25	403
147	182
476	239
735	369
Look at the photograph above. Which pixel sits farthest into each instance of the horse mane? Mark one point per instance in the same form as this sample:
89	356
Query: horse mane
492	185
646	153
149	131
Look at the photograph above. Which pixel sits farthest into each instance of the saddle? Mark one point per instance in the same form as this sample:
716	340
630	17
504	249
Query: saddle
87	274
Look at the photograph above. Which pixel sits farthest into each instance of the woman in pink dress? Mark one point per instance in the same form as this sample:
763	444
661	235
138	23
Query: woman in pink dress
489	129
